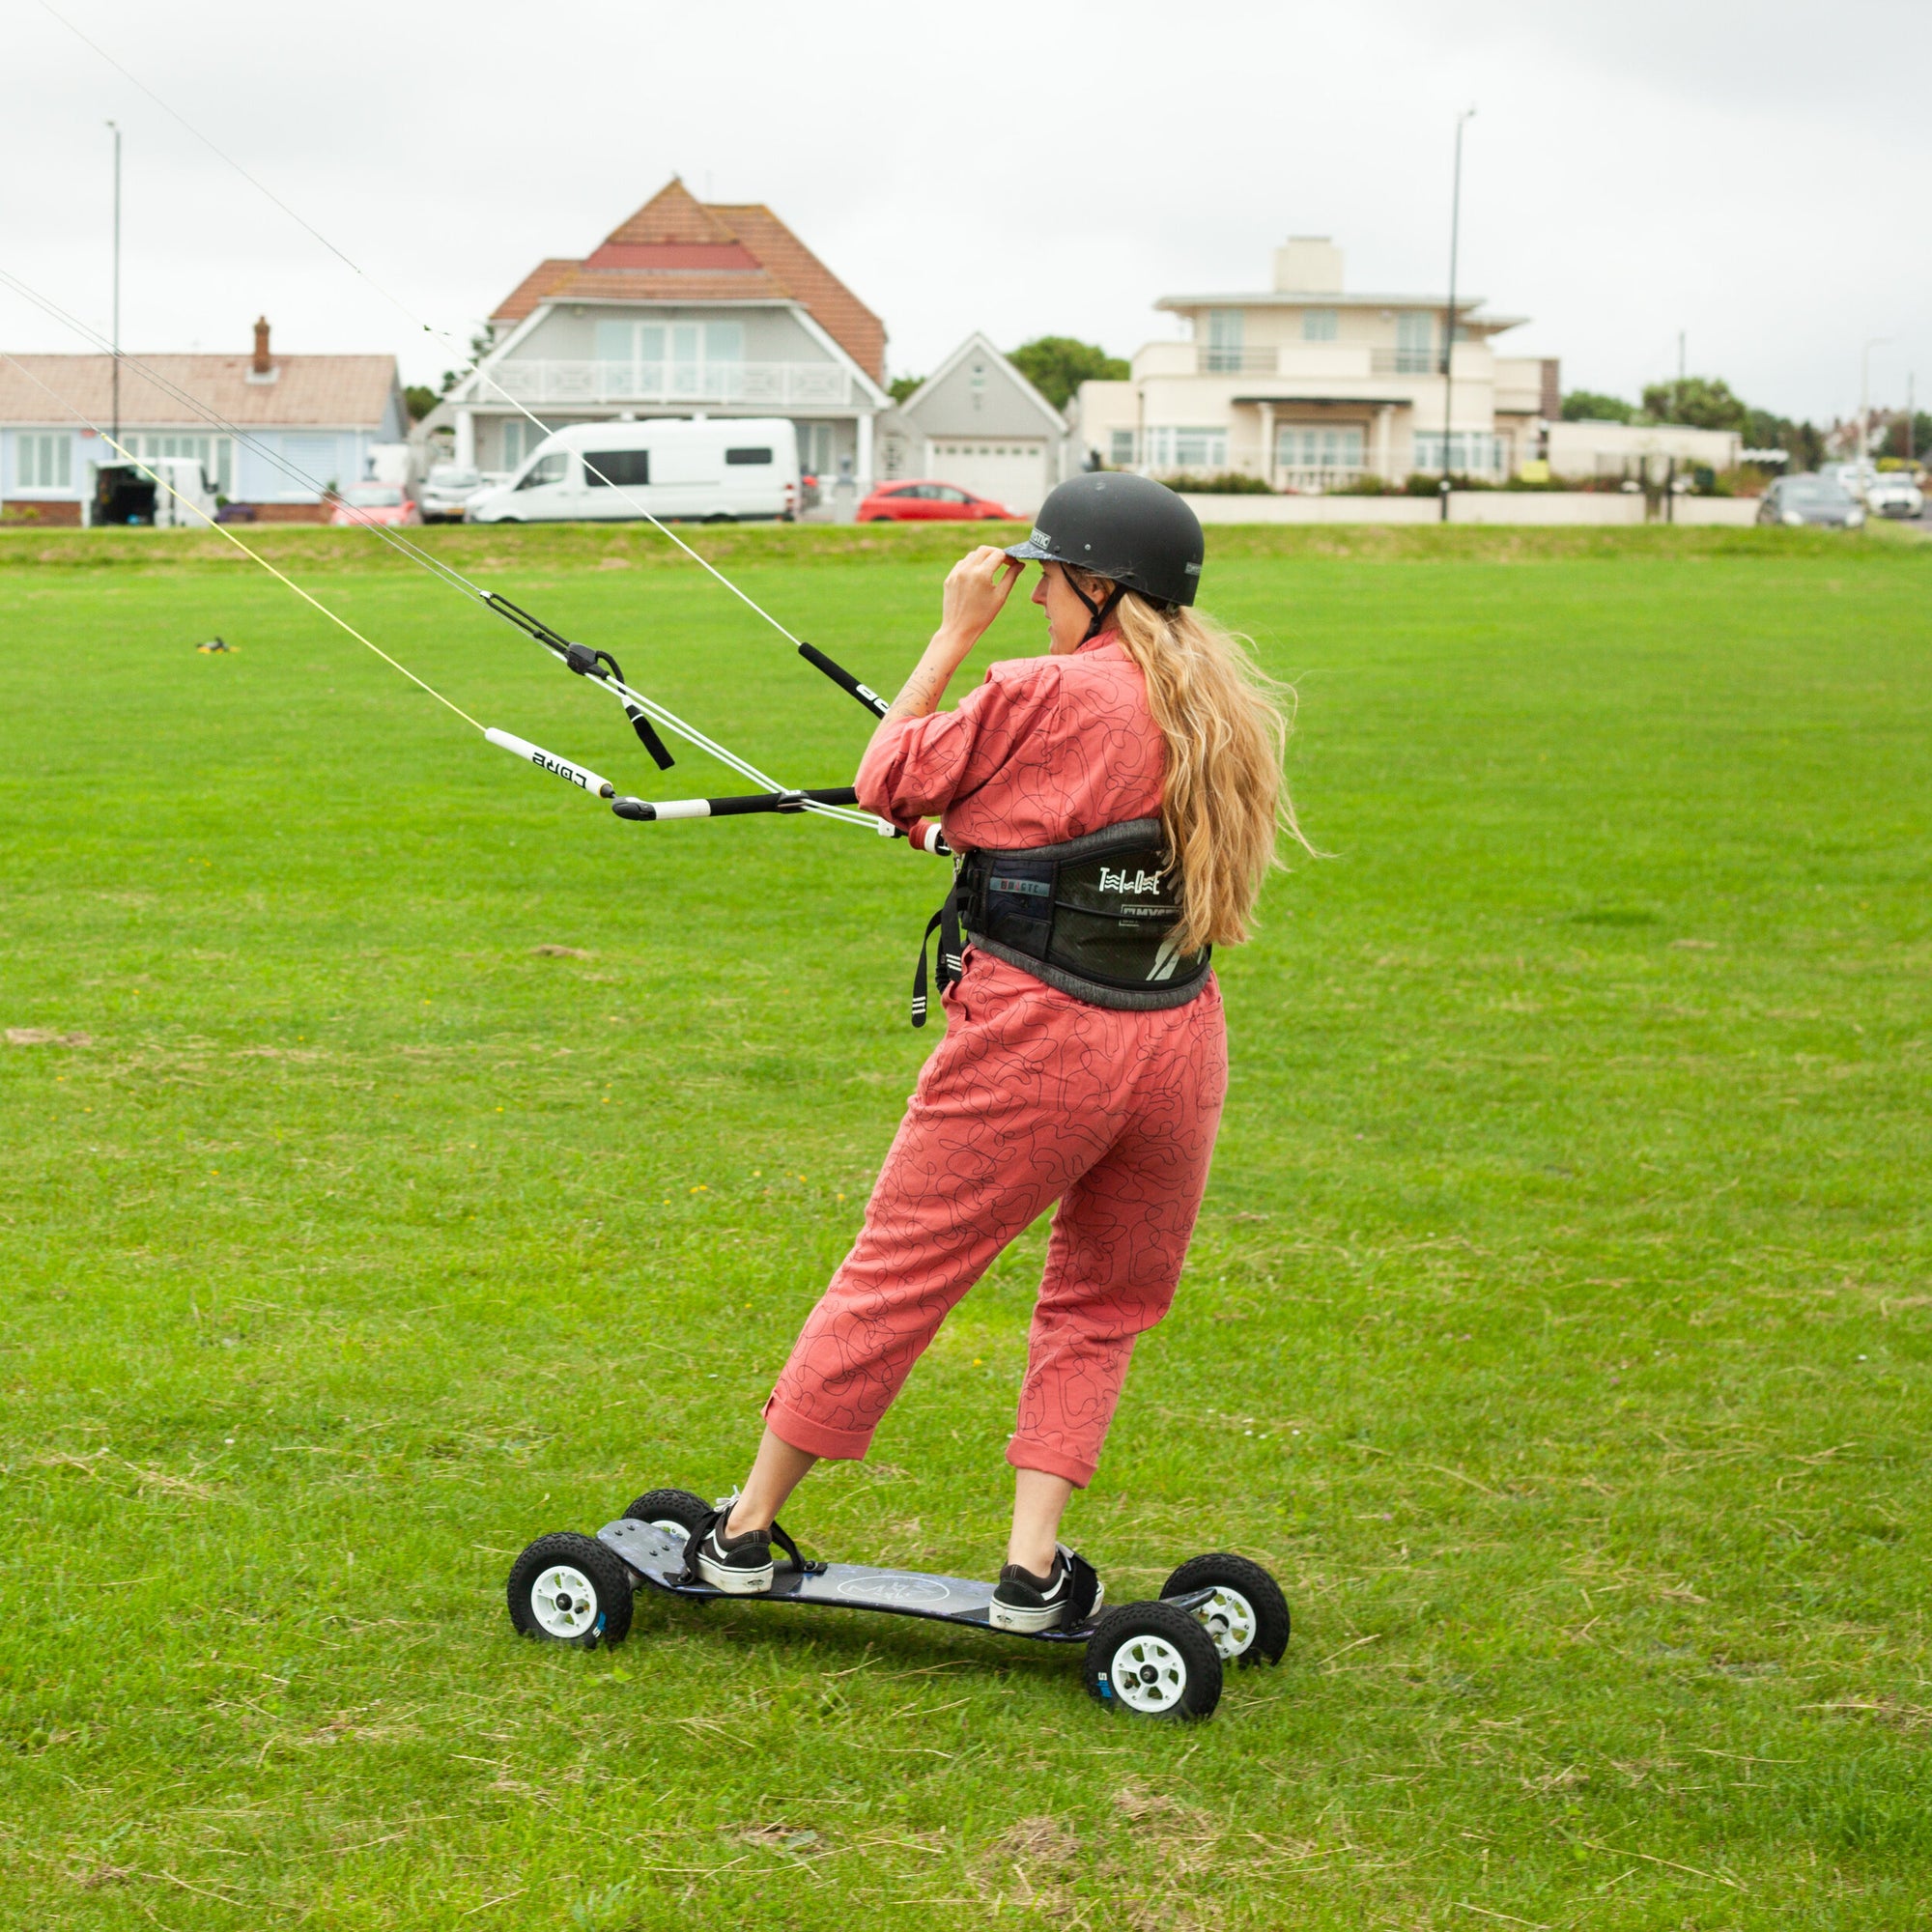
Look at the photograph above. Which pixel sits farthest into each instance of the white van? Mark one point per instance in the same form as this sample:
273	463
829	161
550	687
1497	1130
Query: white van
720	468
166	492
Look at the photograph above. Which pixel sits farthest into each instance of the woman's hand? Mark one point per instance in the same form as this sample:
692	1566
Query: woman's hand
976	590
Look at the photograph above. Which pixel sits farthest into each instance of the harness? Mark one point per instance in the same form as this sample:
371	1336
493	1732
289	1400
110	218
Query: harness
1091	916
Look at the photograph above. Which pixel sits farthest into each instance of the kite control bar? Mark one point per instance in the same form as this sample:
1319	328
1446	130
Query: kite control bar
927	836
586	663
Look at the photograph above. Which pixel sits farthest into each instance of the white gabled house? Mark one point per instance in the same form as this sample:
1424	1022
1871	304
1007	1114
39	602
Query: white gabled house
687	308
976	421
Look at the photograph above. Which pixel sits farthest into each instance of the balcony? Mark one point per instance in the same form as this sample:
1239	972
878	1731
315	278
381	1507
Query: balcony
1213	359
778	385
1405	362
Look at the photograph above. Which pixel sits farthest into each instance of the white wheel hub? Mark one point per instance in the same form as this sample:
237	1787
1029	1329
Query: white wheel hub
1148	1674
1228	1618
564	1602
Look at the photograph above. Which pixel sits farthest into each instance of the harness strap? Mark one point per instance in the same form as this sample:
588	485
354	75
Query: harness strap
951	952
1097	614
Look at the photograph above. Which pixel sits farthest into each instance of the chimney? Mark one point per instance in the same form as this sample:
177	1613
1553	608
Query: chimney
1311	265
262	365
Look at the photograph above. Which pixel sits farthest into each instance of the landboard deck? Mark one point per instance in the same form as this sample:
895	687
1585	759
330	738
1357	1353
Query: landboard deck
658	1559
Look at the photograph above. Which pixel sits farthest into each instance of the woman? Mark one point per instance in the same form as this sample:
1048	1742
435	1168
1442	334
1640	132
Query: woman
1117	804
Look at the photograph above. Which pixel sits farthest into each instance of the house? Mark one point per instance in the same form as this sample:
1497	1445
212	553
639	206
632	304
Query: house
320	414
1576	450
1310	387
978	422
686	308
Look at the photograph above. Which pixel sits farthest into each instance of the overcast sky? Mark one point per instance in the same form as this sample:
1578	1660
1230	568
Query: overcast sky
1752	172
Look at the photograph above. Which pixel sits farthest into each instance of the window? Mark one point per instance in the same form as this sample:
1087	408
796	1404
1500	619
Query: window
1320	447
815	447
944	493
216	454
550	468
373	496
44	461
1174	448
521	436
1121	448
1471	452
1224	339
1319	324
621	466
761	453
1414	343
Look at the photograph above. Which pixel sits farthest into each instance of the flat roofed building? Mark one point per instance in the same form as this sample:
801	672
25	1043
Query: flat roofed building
686	308
1311	386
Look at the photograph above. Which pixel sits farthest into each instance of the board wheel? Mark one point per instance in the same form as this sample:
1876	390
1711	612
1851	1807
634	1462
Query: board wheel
1154	1661
568	1588
1247	1616
669	1510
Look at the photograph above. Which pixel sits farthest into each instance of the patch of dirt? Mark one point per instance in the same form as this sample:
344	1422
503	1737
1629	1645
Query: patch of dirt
561	953
793	1838
45	1036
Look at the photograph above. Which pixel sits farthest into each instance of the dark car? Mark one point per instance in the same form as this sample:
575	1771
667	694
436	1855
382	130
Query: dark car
1810	498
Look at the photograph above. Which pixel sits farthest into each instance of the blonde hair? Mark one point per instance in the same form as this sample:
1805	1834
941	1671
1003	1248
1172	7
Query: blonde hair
1223	800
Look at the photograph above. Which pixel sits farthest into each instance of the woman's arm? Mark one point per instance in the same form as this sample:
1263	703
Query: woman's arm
977	588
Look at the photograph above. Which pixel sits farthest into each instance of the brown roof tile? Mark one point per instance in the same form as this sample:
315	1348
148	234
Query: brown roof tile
324	392
677	248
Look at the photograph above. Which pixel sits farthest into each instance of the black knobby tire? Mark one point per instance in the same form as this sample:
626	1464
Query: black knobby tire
678	1506
1154	1661
546	1592
1252	1625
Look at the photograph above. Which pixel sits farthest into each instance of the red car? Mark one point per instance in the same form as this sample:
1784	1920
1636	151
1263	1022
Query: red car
375	503
931	502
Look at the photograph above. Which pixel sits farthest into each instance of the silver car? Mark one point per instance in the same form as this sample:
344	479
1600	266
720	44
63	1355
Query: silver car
1821	502
445	491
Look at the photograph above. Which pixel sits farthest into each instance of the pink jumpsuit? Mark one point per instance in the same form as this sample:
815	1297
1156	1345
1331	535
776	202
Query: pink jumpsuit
1033	1097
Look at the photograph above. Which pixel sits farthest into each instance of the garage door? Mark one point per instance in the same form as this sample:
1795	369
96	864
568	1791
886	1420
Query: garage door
1011	473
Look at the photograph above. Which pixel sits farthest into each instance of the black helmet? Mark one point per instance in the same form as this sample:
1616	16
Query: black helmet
1129	529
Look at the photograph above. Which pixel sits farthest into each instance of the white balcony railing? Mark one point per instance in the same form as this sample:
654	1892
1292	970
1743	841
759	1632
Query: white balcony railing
775	384
1304	481
1405	361
1210	359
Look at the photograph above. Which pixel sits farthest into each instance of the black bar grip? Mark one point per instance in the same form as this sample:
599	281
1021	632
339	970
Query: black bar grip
647	736
843	679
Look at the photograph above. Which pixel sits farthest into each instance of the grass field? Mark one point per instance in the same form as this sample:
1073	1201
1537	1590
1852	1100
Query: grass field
417	1144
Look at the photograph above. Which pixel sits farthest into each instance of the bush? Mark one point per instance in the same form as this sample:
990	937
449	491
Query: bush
1422	484
1221	483
1368	485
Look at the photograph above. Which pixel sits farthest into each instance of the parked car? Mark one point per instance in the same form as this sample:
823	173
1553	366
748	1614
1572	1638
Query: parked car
1894	492
374	503
720	470
931	502
1810	498
447	489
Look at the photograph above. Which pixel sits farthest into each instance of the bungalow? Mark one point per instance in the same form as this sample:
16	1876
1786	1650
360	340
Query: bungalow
320	414
686	308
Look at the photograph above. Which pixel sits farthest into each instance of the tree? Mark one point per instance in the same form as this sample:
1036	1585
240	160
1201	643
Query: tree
1702	402
901	387
1586	406
420	399
1057	365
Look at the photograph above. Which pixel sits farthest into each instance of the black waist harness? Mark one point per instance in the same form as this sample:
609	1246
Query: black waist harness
1091	916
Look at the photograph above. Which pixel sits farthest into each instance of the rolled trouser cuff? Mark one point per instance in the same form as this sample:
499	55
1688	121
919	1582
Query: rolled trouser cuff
815	1438
1023	1454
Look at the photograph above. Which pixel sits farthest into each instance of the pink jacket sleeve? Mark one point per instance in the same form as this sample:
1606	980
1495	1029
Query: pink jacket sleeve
919	766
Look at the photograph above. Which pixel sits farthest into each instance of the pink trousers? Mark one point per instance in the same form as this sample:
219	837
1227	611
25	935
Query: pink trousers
1031	1098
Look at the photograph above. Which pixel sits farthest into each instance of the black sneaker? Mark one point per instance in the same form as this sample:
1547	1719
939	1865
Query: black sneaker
741	1566
1025	1603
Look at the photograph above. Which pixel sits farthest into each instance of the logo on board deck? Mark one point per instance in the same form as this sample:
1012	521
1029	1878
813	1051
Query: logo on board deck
895	1589
1123	882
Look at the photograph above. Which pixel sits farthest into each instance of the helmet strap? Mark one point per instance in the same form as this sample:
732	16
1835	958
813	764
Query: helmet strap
1097	614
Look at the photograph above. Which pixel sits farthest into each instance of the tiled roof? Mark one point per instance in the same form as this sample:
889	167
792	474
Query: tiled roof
677	248
325	391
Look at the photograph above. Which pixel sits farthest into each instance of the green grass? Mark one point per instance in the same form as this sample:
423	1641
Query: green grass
1557	1327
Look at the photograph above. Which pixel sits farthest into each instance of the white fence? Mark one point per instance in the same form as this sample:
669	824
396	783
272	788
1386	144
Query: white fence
780	385
1470	507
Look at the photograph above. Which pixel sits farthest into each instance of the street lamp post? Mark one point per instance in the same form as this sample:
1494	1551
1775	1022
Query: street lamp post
1449	326
117	279
1864	401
